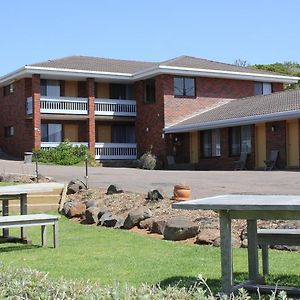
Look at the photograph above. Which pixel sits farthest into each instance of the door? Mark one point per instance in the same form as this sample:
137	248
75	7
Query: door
292	143
71	132
193	147
260	145
104	134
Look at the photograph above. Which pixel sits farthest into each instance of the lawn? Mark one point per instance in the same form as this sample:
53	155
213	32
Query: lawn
108	256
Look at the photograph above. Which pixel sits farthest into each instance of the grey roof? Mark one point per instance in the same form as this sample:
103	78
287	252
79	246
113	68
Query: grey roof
96	64
286	101
99	64
200	63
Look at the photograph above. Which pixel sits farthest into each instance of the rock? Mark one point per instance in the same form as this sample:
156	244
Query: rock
180	228
154	195
110	221
113	189
207	236
105	216
146	224
77	210
91	215
66	207
120	222
137	215
75	186
91	203
158	226
102	210
235	242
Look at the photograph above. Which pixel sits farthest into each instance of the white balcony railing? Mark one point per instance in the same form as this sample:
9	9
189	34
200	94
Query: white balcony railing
112	107
79	106
104	151
115	151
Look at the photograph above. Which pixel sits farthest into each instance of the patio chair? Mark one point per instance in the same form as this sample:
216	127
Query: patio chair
241	163
271	162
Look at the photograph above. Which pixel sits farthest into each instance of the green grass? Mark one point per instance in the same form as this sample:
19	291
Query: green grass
7	183
108	256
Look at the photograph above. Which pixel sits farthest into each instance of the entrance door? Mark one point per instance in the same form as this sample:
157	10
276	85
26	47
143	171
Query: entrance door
260	145
292	143
193	147
71	132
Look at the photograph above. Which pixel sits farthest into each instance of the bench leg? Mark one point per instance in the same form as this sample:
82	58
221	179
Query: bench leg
55	234
5	212
23	209
44	235
265	259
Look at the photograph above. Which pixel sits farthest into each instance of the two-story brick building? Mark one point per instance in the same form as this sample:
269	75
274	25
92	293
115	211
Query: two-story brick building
119	108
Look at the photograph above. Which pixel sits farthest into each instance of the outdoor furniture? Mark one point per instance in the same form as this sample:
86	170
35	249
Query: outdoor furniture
271	237
271	162
251	208
241	163
33	220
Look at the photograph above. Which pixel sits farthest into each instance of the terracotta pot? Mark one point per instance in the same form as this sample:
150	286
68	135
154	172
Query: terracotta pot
181	192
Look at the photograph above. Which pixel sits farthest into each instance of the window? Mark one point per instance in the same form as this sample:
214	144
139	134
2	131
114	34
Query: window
184	87
9	131
262	88
149	86
52	133
211	145
8	89
240	140
121	91
123	134
50	88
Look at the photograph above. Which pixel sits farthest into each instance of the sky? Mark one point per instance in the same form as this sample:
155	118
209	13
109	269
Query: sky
258	31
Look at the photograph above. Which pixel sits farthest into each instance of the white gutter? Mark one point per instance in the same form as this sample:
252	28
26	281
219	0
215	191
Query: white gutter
153	71
279	116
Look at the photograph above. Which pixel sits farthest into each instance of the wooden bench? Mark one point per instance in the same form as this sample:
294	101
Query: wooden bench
33	220
271	237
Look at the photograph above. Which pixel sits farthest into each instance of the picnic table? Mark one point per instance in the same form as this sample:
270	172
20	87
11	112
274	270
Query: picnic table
250	208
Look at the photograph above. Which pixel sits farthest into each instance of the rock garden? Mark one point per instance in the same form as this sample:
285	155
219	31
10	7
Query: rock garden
151	214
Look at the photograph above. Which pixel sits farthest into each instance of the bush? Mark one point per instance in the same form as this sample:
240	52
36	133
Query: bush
149	161
30	284
64	154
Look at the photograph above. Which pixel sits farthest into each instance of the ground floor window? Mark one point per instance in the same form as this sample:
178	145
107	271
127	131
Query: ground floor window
240	140
9	131
211	143
52	133
123	134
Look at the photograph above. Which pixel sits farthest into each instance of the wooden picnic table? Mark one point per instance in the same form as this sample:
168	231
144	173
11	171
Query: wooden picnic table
250	208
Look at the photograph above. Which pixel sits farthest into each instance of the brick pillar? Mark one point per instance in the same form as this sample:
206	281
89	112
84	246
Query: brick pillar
36	116
90	87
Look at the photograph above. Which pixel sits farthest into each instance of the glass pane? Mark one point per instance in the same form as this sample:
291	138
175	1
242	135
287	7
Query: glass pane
150	91
55	133
190	87
178	86
44	129
53	88
216	142
246	139
43	87
235	139
207	143
267	88
117	91
258	88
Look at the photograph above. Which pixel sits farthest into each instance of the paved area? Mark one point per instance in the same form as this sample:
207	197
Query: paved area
203	183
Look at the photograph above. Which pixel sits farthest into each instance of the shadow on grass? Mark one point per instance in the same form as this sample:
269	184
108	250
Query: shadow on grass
18	248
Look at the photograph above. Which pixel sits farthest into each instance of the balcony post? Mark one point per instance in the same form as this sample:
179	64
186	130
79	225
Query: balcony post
36	113
90	84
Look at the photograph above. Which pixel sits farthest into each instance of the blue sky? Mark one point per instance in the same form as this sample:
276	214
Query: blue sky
259	31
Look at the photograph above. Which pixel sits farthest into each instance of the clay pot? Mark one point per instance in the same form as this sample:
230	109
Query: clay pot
181	192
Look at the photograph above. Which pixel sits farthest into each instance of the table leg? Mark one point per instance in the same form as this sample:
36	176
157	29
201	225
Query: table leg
5	212
226	252
252	250
23	209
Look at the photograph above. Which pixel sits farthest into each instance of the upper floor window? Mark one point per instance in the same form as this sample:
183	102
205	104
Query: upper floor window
9	131
149	92
262	88
211	143
121	91
184	87
8	89
240	140
50	88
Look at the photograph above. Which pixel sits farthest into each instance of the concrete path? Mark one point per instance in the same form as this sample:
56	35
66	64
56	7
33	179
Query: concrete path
203	183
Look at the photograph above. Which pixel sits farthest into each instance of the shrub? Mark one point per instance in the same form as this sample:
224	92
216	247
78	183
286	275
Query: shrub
148	161
64	154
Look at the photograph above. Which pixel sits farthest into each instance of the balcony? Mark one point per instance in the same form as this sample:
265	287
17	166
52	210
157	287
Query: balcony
79	106
105	151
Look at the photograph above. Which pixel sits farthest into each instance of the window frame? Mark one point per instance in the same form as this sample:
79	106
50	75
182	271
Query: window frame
214	142
262	88
47	129
8	90
242	140
9	131
184	94
152	97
